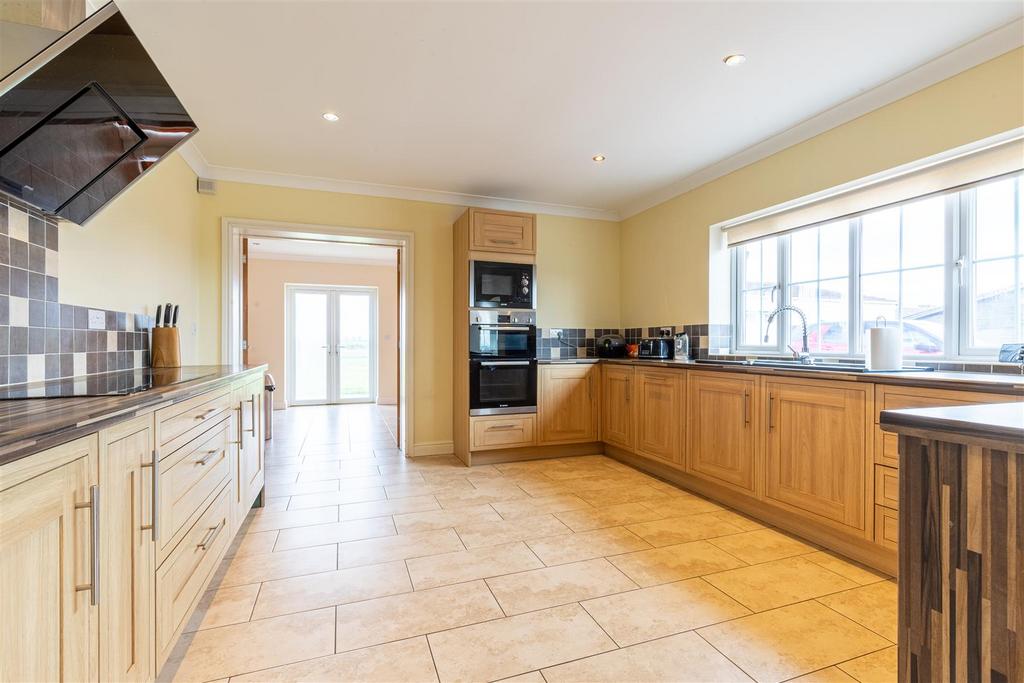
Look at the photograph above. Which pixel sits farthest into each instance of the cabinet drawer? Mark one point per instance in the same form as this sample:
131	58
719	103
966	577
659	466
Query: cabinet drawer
183	577
502	431
887	448
179	423
897	398
887	527
511	232
187	478
887	487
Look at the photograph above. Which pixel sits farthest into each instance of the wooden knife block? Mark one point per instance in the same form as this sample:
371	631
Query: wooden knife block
166	348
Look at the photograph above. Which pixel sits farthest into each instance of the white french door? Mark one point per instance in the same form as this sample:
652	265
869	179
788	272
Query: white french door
332	344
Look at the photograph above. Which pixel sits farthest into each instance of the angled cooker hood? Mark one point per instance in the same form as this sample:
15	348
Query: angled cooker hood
85	118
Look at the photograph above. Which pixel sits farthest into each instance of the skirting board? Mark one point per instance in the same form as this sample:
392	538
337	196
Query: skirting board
433	448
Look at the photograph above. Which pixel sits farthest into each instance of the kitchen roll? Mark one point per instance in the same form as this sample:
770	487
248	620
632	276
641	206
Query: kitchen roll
884	348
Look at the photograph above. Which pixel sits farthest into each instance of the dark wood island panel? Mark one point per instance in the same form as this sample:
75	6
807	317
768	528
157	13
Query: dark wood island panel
961	543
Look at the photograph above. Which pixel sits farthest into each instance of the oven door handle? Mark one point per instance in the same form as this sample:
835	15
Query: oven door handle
500	363
504	328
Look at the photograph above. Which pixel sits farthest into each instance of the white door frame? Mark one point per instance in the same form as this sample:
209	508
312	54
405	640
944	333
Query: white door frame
233	230
333	326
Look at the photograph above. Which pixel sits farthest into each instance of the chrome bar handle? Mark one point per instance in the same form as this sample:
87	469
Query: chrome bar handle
500	428
94	570
207	413
746	408
156	495
251	430
771	412
211	536
206	458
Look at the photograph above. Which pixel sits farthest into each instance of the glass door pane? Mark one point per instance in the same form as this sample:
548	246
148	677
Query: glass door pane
356	373
310	343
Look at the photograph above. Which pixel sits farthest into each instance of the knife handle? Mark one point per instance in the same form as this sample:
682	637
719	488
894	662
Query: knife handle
159	318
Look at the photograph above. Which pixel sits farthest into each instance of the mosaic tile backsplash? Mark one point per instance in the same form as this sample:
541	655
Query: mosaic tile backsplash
40	338
577	342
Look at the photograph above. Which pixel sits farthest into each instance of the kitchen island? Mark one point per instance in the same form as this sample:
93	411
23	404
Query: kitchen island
961	531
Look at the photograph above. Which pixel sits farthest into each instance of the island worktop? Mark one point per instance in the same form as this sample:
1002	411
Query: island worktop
961	541
31	425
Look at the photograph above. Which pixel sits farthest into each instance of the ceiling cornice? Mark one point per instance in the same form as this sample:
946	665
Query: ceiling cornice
204	169
978	51
957	60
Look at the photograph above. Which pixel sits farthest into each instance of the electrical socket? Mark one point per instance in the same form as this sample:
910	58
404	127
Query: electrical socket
557	332
665	331
97	319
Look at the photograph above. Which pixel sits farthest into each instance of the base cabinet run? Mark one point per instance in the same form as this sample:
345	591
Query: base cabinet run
568	403
92	588
723	446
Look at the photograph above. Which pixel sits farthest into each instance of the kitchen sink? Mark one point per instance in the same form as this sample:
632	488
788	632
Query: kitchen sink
797	365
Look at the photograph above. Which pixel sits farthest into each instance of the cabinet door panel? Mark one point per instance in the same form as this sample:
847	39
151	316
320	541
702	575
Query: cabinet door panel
721	427
502	232
127	552
816	457
568	403
48	627
617	417
659	411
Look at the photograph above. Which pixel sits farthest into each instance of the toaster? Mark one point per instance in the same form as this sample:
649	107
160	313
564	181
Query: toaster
661	348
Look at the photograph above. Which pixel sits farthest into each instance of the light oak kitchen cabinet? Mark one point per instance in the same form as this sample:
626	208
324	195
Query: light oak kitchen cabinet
817	455
569	403
48	565
127	552
507	232
660	414
722	426
617	417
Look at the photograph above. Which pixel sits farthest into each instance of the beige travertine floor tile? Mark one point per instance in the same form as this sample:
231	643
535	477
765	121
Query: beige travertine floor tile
531	677
408	490
339	532
777	583
631	493
279	503
240	648
462	500
408	661
544	488
286	519
297	489
791	641
674	562
761	546
530	507
392	481
479	563
302	593
663	610
684	529
830	675
586	545
684	657
681	504
514	645
854	571
551	586
877	667
873	606
601	483
316	500
613	515
224	606
507	531
403	547
256	568
414	522
563	472
252	544
381	508
382	620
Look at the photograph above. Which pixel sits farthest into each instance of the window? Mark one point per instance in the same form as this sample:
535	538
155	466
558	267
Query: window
949	269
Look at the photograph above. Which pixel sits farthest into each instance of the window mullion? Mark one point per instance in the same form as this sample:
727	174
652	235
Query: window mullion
856	324
782	320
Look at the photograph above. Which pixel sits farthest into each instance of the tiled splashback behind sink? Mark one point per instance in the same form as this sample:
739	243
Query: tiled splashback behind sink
577	342
41	338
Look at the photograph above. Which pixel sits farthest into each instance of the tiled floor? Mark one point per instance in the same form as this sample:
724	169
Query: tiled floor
365	566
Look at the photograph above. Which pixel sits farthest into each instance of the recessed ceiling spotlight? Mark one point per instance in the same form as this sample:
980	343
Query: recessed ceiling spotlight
734	60
598	158
330	116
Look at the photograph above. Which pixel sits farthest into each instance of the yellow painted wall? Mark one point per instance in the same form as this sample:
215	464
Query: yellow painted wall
673	236
141	251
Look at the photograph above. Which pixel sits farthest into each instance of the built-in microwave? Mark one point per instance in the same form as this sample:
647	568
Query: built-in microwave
501	285
498	387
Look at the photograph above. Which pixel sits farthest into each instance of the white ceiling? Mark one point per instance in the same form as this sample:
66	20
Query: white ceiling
307	250
511	99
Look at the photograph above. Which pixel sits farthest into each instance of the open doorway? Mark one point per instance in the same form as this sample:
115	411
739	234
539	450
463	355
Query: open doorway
327	313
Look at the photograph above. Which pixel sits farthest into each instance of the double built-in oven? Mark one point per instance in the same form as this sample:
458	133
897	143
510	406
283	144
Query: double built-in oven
503	359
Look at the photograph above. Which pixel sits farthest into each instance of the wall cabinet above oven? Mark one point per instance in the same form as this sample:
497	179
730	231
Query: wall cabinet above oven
503	232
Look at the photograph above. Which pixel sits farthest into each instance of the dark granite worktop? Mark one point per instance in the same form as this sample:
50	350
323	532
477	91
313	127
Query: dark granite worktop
31	425
991	421
963	381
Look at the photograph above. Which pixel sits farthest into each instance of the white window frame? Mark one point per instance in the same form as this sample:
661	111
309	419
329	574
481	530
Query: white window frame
958	234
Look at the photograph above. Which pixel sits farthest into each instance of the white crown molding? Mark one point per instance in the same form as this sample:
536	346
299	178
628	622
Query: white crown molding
194	157
957	60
